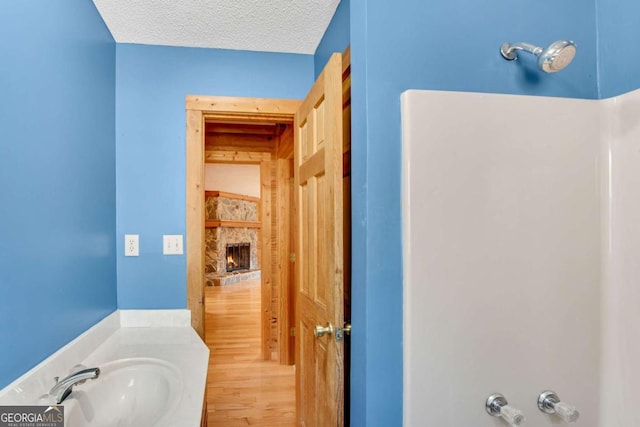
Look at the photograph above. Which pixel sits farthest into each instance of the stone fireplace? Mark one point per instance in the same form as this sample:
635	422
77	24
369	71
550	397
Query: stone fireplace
231	238
238	257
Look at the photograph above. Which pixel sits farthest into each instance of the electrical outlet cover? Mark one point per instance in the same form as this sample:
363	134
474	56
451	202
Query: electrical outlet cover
172	244
131	245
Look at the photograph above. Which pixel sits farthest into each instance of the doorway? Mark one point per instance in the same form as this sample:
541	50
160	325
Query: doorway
251	378
277	255
248	131
248	205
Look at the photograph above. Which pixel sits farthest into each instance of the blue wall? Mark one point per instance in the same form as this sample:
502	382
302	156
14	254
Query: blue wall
336	37
152	82
618	40
57	177
447	45
57	247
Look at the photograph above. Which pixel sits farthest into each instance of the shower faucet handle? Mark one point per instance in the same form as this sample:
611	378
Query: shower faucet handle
497	406
550	403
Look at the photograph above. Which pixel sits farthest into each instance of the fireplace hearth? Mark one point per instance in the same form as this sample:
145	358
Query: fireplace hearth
238	256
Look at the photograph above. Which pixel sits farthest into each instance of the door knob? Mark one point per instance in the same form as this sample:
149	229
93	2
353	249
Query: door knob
319	331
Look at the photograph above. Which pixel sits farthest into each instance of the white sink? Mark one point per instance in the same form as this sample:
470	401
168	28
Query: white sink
136	392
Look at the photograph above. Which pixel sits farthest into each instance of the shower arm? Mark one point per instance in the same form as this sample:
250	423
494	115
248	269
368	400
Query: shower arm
509	49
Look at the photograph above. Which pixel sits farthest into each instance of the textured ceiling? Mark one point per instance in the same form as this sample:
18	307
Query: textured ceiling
294	26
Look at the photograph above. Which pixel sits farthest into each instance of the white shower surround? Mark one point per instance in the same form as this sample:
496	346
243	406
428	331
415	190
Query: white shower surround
521	242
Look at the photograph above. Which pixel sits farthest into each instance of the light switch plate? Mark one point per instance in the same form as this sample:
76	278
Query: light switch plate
131	245
172	244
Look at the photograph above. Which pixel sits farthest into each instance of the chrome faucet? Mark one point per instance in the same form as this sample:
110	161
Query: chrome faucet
63	388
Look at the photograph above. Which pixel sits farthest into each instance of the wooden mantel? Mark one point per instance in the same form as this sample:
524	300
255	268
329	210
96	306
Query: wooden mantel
231	196
214	223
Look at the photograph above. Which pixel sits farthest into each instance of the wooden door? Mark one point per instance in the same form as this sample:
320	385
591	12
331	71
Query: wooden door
318	149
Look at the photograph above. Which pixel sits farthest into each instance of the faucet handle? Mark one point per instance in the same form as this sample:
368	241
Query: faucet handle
550	403
498	406
513	416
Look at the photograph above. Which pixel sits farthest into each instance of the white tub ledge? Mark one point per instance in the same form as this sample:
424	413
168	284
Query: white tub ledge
128	338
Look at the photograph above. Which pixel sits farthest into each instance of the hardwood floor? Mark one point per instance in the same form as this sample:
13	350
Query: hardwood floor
243	390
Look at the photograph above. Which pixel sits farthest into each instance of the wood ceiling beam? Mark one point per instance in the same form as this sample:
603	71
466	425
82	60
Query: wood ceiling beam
239	142
241	128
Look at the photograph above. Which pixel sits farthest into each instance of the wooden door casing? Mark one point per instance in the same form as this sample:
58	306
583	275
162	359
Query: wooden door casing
223	110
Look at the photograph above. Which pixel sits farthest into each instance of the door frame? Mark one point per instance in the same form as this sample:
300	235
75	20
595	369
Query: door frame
200	109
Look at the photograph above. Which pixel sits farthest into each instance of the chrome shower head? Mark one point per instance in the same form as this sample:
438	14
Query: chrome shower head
550	60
